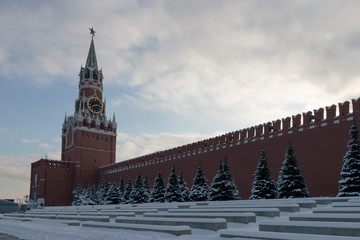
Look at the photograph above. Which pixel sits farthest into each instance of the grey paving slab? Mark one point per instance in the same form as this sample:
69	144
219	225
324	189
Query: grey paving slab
202	223
176	230
240	234
311	227
230	217
292	207
267	212
4	236
325	217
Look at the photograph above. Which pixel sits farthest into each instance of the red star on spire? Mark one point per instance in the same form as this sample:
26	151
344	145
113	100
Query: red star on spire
92	31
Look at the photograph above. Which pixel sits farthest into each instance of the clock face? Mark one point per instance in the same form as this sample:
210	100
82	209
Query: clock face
95	105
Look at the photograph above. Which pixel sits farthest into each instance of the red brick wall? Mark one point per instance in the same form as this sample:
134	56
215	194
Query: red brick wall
319	145
319	142
54	181
90	151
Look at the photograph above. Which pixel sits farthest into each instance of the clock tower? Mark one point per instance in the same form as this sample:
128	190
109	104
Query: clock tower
88	136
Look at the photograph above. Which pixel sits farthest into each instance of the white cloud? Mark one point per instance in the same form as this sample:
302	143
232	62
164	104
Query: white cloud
54	155
15	175
130	146
210	57
3	129
57	140
27	141
45	145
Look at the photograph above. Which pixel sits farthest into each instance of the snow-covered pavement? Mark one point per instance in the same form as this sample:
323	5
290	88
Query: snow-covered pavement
38	229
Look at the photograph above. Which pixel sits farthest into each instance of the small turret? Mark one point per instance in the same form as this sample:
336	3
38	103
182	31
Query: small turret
79	115
88	117
104	107
114	124
64	123
97	120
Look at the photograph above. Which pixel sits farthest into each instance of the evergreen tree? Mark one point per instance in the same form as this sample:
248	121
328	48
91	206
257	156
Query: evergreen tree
101	193
263	185
173	191
232	192
350	172
146	188
88	196
158	191
223	187
113	195
138	194
78	191
200	189
121	187
183	188
291	182
218	185
92	194
127	191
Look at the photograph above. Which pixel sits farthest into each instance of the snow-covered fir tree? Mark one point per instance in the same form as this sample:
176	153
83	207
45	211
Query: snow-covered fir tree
263	186
223	187
350	172
127	191
147	188
172	191
77	192
138	194
232	192
291	182
113	195
200	189
88	196
92	195
158	191
183	188
101	193
121	188
218	185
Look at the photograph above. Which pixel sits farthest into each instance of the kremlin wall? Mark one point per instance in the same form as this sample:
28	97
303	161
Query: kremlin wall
319	139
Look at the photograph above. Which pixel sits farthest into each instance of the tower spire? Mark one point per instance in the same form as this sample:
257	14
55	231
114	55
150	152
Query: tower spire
91	61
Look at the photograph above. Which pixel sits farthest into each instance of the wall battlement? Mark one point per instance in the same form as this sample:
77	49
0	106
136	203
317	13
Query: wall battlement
299	123
56	164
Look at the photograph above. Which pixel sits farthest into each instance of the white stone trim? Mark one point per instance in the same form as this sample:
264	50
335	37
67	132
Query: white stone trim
91	86
87	148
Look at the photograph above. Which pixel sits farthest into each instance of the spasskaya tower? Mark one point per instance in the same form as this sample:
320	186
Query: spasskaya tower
88	136
88	142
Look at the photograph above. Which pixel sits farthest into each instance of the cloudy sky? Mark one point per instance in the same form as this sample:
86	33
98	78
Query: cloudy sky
175	71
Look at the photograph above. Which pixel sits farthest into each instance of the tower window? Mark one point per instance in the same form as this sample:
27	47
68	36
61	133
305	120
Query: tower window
87	73
106	139
97	137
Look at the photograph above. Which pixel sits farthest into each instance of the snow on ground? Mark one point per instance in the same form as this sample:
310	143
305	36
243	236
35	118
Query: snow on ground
54	230
41	229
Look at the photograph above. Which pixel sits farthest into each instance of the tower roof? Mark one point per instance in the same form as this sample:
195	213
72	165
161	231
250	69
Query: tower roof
91	58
